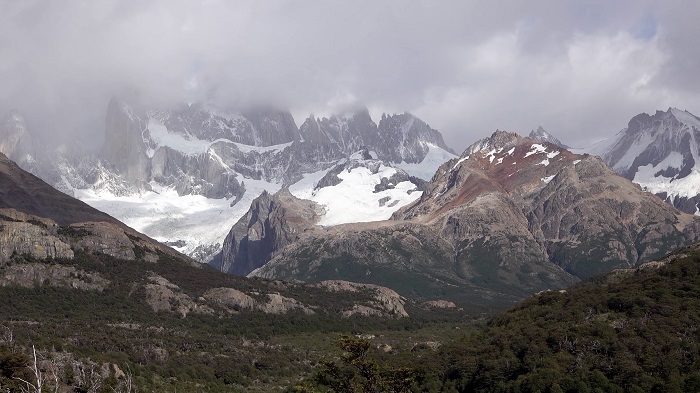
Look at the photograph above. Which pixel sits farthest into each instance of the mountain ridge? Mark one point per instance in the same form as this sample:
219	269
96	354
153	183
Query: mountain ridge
511	215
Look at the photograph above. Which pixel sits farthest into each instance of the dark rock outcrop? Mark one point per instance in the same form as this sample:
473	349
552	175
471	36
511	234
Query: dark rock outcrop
272	222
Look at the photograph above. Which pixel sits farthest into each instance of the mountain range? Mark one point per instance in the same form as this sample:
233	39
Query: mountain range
342	223
184	176
386	204
510	216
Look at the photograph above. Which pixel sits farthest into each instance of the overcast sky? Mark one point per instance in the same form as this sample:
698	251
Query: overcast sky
581	69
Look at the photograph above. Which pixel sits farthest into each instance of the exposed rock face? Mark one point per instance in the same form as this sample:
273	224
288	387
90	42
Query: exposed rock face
236	300
25	234
660	153
31	275
41	238
388	302
162	295
439	304
272	222
508	217
127	142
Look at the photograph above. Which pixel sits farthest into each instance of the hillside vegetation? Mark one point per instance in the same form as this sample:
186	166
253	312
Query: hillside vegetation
628	331
97	322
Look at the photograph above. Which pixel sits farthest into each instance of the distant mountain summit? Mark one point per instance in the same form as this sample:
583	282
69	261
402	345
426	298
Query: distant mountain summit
543	136
661	153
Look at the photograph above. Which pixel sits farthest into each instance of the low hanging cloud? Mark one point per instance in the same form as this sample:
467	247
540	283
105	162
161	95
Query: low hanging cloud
581	69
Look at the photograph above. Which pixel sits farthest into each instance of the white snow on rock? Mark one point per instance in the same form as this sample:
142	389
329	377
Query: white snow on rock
684	187
168	217
354	199
190	145
536	148
162	137
430	164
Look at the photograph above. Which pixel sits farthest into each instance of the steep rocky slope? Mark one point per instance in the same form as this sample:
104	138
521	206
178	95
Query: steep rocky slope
272	222
511	216
582	215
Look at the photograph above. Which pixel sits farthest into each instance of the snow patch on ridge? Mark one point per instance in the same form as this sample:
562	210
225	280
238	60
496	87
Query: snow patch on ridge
686	118
684	187
162	137
354	199
536	148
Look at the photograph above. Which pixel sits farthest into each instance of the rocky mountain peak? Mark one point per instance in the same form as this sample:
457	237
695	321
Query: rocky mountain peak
503	163
542	135
272	126
498	140
272	222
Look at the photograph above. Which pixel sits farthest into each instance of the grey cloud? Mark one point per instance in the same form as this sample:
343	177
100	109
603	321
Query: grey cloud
579	68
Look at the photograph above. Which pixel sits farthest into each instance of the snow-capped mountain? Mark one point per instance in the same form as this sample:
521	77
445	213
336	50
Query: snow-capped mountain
185	176
661	153
510	216
360	188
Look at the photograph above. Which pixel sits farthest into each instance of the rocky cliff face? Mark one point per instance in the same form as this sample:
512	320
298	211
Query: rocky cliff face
660	153
272	222
510	216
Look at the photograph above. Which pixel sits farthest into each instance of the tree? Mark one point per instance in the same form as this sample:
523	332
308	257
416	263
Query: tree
358	373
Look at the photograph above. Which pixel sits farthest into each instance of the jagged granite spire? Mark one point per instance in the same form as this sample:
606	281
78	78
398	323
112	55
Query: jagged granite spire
543	136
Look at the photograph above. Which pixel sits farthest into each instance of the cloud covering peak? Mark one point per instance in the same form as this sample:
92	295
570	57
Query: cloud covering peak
579	68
